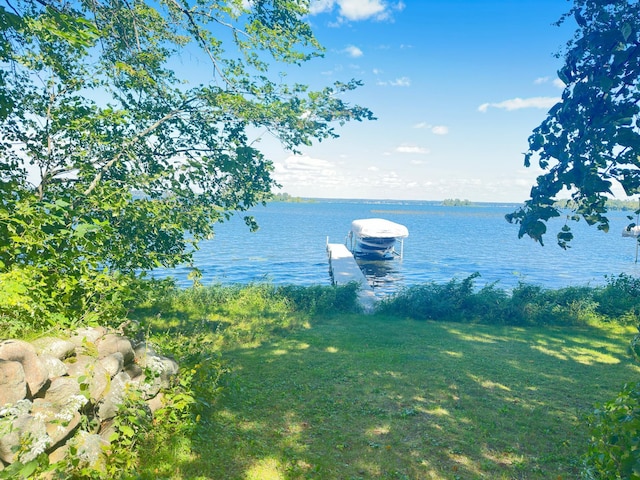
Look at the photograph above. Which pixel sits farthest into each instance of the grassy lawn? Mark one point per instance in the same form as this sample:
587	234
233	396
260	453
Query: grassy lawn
361	397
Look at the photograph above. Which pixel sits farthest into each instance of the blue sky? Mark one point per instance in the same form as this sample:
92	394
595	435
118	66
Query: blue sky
457	87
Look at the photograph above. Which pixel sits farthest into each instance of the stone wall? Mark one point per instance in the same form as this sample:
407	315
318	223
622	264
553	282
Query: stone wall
58	391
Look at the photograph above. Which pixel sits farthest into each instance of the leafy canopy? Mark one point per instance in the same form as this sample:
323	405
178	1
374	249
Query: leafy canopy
590	140
112	158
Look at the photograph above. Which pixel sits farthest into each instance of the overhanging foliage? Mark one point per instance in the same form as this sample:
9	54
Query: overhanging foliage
110	158
590	140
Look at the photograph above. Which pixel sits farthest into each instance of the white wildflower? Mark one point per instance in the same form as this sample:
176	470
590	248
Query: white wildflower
73	405
21	407
36	443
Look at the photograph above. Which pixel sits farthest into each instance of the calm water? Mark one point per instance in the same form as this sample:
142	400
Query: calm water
443	243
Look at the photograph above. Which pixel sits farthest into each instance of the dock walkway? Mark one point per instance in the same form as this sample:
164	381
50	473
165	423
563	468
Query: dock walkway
344	269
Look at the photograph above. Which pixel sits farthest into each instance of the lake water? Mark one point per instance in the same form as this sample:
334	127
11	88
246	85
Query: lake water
443	243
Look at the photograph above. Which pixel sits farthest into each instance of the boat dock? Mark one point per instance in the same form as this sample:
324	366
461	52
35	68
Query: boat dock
344	269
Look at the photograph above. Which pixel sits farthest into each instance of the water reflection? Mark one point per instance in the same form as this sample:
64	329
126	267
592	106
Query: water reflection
383	275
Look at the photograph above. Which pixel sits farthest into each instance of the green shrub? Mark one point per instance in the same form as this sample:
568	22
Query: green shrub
453	301
488	305
620	298
322	299
614	449
33	300
534	305
459	300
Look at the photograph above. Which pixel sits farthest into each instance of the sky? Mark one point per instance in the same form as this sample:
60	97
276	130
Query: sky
457	87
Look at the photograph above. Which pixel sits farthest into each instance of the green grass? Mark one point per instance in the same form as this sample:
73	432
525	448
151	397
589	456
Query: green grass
361	397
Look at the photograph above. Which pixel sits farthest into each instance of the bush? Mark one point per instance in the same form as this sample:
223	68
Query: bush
322	300
33	300
534	305
620	298
526	305
453	301
614	449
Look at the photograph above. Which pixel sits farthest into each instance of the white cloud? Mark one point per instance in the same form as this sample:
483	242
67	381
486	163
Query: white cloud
398	82
355	10
353	51
435	129
412	149
559	83
321	6
440	130
306	163
520	103
305	170
360	9
556	82
401	82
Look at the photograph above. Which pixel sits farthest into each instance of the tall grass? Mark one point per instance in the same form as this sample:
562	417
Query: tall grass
460	301
241	313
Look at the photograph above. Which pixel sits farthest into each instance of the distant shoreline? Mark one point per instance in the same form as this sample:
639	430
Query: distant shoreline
612	204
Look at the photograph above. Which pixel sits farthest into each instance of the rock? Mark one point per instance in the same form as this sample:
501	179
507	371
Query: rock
110	344
54	365
56	347
159	371
35	373
13	386
108	431
22	427
89	371
156	402
60	420
59	454
163	370
87	335
115	397
135	372
61	389
113	363
45	389
149	386
144	350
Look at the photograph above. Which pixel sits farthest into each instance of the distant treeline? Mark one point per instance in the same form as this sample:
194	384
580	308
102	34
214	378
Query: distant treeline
612	204
285	197
456	202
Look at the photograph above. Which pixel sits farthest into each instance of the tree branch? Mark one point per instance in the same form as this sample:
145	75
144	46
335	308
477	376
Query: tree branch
195	31
98	177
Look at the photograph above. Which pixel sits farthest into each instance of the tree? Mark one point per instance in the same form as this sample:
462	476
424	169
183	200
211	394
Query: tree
590	140
110	161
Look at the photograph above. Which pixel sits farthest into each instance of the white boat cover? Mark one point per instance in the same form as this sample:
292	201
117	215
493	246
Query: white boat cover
378	228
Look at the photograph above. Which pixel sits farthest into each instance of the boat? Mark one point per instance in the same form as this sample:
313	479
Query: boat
376	238
631	231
